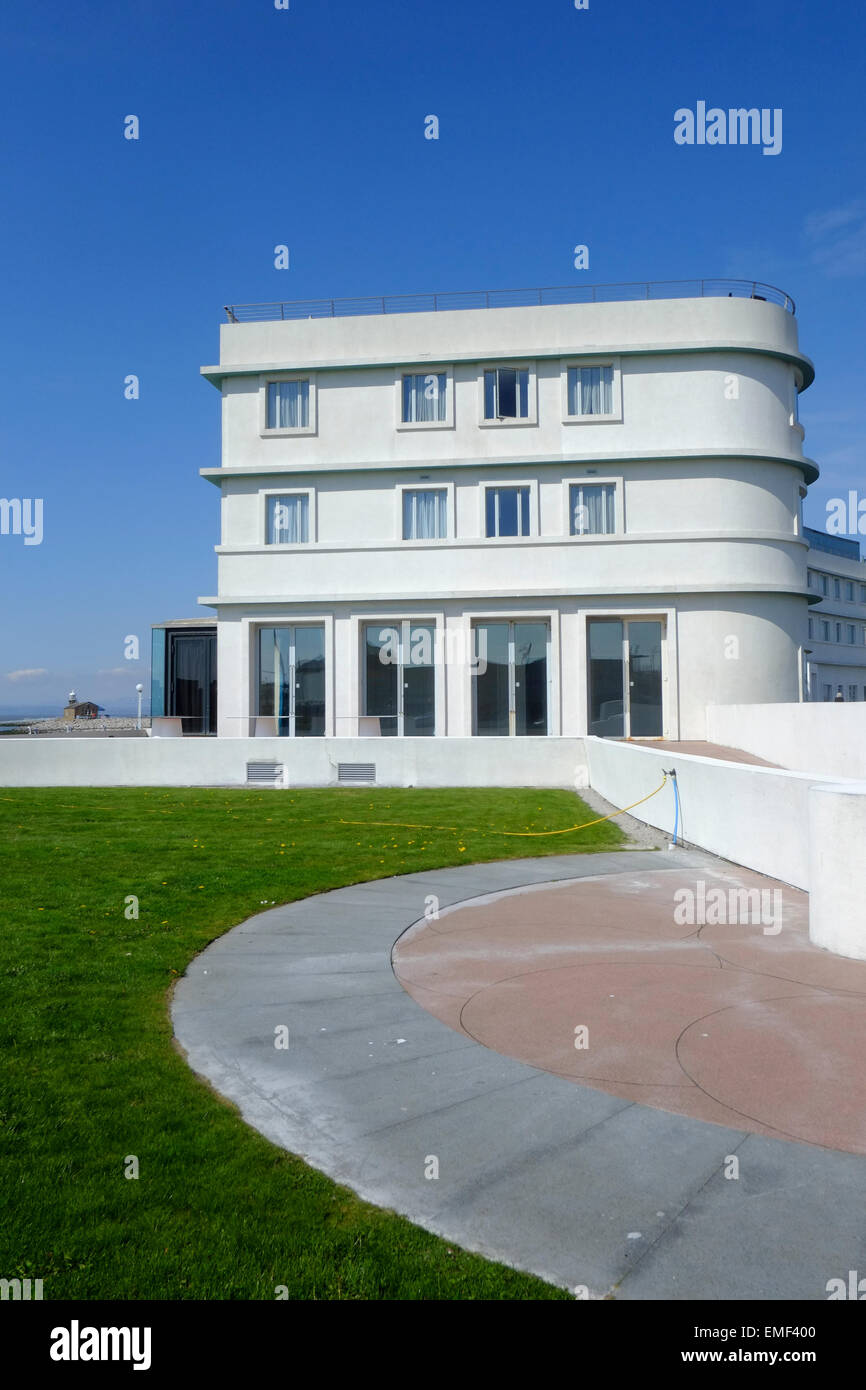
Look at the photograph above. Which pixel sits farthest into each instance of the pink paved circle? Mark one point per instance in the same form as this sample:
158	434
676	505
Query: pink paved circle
758	1031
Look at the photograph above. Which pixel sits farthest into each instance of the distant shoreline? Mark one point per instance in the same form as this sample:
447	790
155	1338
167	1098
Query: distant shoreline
30	726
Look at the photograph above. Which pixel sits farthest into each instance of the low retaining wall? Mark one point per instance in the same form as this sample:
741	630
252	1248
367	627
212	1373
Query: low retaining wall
201	762
837	900
754	816
828	740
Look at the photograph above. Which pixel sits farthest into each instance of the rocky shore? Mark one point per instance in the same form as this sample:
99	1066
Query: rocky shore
106	725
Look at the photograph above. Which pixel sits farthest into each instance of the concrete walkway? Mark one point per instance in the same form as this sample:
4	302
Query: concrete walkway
586	1188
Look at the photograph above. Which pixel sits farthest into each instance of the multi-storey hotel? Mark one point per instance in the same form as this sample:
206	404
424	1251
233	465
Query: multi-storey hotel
506	515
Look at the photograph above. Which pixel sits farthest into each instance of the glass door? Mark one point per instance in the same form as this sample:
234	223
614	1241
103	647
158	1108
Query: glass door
292	679
606	678
510	686
644	679
192	681
625	678
400	678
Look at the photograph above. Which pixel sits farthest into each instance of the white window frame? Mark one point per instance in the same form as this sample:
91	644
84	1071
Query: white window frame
609	361
265	380
427	486
591	480
531	395
532	484
267	492
425	369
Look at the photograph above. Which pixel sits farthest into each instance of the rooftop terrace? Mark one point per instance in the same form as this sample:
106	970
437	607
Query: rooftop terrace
508	299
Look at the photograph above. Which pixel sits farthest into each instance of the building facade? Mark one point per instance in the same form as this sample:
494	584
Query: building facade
536	519
836	647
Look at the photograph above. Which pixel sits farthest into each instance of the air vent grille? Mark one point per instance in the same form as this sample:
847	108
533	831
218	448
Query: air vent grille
264	774
356	772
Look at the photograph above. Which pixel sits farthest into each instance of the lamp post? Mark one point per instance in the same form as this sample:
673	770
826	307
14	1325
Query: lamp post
139	688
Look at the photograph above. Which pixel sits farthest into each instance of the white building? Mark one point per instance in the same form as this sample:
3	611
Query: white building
553	518
836	647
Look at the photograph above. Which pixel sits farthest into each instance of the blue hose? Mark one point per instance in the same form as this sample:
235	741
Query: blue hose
672	774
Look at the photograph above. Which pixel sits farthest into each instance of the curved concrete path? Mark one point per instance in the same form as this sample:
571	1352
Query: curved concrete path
590	1190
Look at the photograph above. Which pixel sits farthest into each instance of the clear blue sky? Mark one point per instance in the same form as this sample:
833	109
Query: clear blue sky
305	126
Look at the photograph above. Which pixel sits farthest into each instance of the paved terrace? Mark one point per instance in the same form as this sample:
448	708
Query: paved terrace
603	1168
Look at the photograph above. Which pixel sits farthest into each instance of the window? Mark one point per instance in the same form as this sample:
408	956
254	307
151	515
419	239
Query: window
425	514
288	405
838	632
811	628
849	591
591	509
825	630
852	633
288	519
837	588
852	692
424	398
828	694
400	677
292	679
825	584
863	593
507	511
810	579
590	391
506	393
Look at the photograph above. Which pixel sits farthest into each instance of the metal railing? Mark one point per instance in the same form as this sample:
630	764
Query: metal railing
508	299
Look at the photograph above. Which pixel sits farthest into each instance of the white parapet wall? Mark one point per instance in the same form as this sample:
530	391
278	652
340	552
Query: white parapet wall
306	762
754	816
826	739
837	898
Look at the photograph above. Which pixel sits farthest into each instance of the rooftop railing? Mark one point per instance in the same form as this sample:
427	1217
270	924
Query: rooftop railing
508	299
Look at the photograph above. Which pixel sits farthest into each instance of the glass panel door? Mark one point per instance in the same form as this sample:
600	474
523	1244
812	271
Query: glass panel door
381	672
645	679
192	681
309	673
491	684
292	679
400	677
530	678
419	680
625	678
510	690
606	679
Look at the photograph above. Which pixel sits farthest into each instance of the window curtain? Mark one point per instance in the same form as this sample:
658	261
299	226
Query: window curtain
424	515
424	398
591	390
288	520
592	510
288	405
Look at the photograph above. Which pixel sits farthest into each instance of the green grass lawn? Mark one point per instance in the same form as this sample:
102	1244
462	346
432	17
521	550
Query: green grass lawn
90	1074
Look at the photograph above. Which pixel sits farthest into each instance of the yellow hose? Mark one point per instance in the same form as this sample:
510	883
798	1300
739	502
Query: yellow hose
535	834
